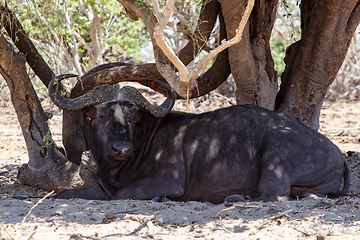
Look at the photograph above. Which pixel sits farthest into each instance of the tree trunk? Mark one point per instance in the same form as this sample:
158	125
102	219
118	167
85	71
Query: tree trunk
47	167
313	62
250	60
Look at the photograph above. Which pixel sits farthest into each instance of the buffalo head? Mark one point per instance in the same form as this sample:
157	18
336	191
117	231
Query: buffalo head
112	125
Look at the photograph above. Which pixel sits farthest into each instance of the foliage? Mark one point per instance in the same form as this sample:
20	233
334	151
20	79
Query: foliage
47	140
77	35
286	31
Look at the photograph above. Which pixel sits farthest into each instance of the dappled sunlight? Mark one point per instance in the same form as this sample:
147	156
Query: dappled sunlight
286	130
158	155
178	139
194	146
213	149
175	174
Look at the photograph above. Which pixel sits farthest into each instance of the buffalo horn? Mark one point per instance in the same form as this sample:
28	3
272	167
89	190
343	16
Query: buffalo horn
133	95
105	93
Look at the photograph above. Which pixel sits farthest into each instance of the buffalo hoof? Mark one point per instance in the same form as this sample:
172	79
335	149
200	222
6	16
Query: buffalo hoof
158	198
234	198
20	197
316	196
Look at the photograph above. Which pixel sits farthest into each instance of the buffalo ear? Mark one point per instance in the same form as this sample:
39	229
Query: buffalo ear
91	112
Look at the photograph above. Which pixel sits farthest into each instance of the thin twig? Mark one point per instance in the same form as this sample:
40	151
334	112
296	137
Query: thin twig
224	210
288	216
129	211
333	204
280	214
8	233
56	36
40	201
32	234
254	205
303	232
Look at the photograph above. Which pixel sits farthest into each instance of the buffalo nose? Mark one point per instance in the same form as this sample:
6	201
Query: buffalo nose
121	149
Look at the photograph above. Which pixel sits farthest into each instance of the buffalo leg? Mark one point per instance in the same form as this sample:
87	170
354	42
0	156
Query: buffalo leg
272	186
149	188
95	192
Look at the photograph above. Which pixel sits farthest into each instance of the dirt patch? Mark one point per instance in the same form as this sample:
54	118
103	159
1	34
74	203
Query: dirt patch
82	219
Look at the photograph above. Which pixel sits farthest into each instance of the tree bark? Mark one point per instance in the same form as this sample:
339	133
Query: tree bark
313	62
48	168
250	60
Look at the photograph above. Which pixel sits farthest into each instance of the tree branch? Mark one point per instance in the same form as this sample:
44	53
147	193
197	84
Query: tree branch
24	44
95	52
224	44
185	82
171	77
88	13
74	48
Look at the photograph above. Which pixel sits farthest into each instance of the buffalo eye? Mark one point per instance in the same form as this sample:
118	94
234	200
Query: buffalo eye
103	117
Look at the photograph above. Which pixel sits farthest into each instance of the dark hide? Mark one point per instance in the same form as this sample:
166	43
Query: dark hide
207	157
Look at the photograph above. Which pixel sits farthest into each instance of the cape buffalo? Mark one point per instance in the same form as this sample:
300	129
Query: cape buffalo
144	151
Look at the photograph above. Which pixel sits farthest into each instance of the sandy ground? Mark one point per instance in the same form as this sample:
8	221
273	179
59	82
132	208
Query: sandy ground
81	219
